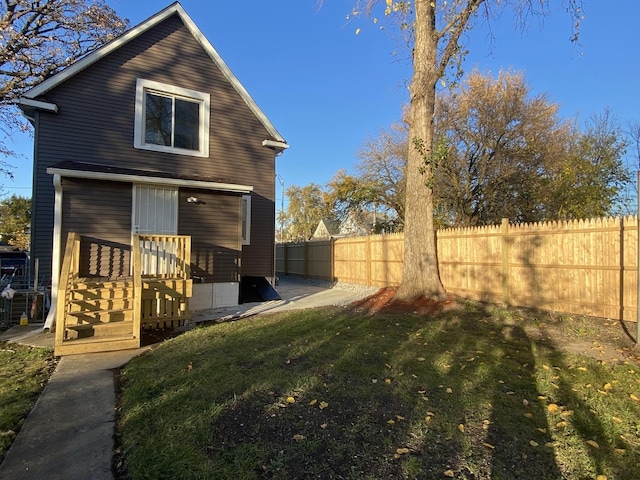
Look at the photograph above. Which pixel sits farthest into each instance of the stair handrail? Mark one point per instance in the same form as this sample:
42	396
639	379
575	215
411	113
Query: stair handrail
68	274
160	260
136	270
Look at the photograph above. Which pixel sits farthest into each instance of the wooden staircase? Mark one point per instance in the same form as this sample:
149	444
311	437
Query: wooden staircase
101	314
99	317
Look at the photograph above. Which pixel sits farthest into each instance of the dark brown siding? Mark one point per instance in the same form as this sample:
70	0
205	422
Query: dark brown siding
101	213
256	260
95	124
213	224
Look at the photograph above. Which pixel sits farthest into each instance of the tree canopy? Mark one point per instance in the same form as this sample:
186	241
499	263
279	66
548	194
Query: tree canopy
38	39
307	206
15	221
503	153
508	154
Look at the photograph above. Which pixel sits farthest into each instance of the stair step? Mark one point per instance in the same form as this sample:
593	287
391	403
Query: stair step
103	304
103	316
97	344
98	330
100	293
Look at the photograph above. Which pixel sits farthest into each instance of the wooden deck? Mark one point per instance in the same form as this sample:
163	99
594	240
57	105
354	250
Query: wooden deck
107	314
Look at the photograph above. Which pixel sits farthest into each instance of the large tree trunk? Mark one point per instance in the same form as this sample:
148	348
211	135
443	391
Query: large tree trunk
420	275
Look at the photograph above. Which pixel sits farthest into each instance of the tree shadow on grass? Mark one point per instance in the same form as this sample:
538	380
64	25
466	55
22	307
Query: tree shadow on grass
337	393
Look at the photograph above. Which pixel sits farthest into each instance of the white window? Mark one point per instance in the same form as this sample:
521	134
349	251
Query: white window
246	219
171	119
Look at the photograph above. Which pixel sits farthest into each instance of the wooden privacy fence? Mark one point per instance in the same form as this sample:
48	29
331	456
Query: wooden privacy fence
586	267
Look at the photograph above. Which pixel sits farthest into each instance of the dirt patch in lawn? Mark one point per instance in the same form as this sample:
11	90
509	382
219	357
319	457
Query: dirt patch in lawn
604	339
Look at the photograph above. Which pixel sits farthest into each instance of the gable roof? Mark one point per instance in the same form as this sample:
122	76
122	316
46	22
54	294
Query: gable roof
174	9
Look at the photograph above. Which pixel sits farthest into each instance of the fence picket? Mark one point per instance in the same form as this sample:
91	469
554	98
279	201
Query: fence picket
586	267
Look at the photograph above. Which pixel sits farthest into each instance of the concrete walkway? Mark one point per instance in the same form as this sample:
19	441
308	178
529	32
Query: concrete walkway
69	433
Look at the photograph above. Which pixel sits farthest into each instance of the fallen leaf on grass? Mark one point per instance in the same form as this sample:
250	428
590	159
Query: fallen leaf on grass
552	407
323	405
449	390
402	451
449	473
291	400
461	428
488	445
616	419
313	402
601	477
634	398
533	443
298	438
593	443
323	426
391	421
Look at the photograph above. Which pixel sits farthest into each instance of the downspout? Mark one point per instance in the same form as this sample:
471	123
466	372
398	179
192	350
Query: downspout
55	258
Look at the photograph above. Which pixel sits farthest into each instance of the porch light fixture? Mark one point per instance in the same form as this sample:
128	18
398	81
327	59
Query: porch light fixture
193	200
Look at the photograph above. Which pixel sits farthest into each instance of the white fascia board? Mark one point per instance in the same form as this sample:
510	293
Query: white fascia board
37	104
275	144
173	182
103	51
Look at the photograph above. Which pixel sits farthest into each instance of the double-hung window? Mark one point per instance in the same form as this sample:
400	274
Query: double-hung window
171	119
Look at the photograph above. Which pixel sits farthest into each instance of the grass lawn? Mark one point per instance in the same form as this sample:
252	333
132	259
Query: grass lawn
24	371
339	394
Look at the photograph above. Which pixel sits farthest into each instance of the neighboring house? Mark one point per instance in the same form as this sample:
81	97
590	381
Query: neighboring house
356	224
153	134
326	229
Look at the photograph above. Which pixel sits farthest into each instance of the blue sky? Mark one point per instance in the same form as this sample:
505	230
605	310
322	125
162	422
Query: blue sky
327	89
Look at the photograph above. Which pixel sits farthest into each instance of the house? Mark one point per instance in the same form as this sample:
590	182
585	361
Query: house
357	223
151	141
326	229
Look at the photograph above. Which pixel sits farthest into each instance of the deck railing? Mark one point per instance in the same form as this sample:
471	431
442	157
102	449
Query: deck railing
159	297
161	265
68	275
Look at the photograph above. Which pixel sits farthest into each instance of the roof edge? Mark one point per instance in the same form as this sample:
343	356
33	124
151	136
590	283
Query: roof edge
174	8
174	182
103	51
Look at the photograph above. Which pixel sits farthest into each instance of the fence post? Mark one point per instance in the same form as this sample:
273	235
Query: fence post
367	255
505	260
285	259
332	257
305	261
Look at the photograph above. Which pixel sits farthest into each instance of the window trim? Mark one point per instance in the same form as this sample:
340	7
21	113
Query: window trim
203	99
245	220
